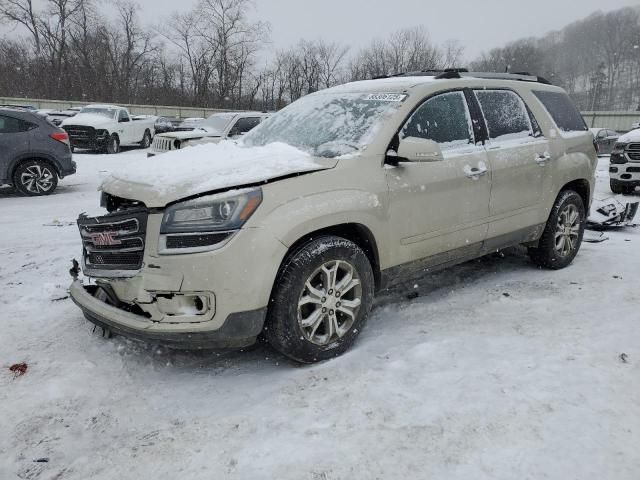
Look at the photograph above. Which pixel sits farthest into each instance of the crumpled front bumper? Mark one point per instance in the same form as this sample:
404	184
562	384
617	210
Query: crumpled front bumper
239	329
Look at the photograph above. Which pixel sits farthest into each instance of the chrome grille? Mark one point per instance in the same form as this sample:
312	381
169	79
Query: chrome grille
633	152
161	144
113	242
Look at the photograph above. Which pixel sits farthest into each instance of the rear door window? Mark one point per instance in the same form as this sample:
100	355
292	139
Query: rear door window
14	125
562	110
505	114
444	119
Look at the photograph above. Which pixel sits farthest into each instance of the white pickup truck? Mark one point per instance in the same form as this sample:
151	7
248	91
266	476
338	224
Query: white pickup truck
107	128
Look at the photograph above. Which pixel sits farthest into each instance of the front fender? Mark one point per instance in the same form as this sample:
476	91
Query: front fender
304	215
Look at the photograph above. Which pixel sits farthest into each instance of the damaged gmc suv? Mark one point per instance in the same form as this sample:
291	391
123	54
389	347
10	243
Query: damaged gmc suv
290	232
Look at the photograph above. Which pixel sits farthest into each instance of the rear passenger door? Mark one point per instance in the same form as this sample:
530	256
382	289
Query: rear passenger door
519	158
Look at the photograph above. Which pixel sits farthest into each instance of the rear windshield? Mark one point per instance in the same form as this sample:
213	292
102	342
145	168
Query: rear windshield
562	110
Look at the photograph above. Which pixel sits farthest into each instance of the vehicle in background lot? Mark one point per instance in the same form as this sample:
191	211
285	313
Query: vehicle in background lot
57	117
214	129
164	125
34	154
189	124
290	232
107	128
635	125
31	108
624	164
605	139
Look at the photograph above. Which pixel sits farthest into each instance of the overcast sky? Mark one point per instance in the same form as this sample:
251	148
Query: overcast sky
478	24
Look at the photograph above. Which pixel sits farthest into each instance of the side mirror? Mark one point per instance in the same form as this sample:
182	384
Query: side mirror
414	149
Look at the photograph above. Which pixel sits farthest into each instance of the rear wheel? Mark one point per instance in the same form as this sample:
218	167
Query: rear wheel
321	300
35	178
563	233
113	145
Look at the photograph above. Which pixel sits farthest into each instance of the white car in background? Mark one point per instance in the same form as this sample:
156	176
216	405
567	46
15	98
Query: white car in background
217	127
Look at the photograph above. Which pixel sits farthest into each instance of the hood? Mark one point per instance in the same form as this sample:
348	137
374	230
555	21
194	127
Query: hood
88	120
632	136
158	181
191	134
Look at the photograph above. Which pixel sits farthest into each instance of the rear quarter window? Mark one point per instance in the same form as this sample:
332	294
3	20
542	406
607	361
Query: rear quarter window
562	110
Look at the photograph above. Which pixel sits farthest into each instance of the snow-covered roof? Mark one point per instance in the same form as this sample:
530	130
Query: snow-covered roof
101	105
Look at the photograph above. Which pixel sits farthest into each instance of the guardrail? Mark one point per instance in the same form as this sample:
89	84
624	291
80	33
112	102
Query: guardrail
159	110
620	121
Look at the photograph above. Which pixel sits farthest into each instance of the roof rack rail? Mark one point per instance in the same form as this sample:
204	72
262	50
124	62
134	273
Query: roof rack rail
523	77
452	73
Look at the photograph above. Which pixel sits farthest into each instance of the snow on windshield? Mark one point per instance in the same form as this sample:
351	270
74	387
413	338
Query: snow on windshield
103	112
327	124
218	122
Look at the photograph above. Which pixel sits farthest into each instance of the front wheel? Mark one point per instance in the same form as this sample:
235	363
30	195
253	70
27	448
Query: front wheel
321	300
621	187
35	178
113	145
563	233
146	140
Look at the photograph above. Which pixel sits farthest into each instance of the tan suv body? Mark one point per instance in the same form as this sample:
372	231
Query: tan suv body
417	173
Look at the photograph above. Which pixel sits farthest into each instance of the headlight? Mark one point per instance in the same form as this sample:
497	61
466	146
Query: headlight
206	223
619	148
177	144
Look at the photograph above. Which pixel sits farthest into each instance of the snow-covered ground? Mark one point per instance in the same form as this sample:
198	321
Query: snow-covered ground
496	370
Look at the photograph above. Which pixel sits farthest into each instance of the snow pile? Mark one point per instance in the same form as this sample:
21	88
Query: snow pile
204	168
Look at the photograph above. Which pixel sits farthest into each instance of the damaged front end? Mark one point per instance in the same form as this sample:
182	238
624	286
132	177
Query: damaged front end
611	213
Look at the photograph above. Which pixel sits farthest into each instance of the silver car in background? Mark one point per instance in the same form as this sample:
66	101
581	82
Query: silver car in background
217	127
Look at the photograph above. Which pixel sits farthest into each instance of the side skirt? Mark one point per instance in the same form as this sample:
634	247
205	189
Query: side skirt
442	261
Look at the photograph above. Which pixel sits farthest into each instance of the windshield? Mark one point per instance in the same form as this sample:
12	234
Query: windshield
327	124
104	112
218	122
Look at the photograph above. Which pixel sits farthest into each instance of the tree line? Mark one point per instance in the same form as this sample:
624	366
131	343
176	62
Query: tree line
215	55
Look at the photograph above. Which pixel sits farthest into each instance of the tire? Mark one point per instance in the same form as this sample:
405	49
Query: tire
35	178
299	296
146	139
113	145
563	233
620	187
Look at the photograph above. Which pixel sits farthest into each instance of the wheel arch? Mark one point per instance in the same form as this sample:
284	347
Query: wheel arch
25	158
357	233
581	187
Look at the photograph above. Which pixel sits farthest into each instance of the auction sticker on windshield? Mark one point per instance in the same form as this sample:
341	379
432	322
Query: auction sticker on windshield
386	97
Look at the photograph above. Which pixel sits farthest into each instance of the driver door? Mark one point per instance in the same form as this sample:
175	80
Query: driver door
439	209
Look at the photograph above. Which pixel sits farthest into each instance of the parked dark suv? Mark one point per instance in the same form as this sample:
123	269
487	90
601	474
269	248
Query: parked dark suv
34	153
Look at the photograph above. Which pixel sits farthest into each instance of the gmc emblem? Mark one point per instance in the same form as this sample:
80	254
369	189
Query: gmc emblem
105	239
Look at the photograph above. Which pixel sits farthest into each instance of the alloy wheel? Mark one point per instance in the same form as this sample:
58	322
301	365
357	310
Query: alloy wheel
567	231
37	179
329	302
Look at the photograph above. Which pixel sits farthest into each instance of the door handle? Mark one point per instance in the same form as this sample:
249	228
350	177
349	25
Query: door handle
543	158
475	172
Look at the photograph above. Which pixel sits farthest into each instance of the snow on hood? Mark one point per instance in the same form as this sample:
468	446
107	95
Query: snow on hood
198	132
632	136
88	119
178	174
